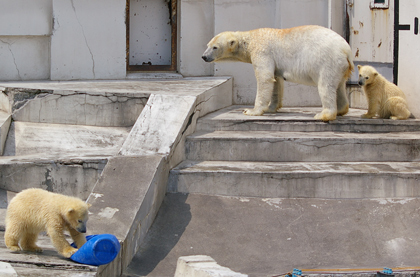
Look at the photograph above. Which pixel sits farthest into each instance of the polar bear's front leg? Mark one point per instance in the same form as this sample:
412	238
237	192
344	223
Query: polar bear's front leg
265	86
59	241
78	238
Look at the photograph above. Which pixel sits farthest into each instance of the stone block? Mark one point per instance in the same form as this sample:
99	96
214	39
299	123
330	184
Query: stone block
202	266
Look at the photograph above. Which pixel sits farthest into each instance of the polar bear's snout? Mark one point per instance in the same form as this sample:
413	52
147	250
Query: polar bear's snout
206	59
207	55
81	228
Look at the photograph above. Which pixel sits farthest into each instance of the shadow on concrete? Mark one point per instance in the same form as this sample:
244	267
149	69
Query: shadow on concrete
171	221
10	144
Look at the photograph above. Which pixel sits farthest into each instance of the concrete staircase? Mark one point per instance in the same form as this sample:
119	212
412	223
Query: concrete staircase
263	195
291	155
110	143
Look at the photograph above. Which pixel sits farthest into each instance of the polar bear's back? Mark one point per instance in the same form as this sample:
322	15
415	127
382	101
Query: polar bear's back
35	207
302	54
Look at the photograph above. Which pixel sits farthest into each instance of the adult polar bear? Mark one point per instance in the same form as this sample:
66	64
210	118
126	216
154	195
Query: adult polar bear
310	55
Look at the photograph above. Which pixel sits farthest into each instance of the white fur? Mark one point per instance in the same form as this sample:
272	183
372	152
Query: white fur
309	55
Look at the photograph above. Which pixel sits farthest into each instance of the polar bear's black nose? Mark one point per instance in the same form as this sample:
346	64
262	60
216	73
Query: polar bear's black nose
204	58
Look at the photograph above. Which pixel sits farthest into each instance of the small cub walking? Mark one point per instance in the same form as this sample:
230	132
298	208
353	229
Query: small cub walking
385	99
35	210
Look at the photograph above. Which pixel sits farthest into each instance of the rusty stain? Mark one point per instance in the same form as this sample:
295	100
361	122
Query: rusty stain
357	53
380	43
361	24
355	32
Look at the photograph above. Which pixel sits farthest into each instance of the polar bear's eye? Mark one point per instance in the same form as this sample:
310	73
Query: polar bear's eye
80	221
214	48
367	77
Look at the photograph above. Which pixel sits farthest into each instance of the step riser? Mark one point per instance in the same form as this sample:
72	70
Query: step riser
287	150
297	185
74	178
281	126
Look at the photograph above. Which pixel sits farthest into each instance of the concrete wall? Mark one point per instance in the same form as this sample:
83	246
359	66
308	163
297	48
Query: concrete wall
25	29
77	39
62	40
88	40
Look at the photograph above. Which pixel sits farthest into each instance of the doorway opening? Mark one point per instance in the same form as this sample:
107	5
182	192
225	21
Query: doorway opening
151	35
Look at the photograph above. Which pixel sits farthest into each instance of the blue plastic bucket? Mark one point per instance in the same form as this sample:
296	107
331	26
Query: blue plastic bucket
98	250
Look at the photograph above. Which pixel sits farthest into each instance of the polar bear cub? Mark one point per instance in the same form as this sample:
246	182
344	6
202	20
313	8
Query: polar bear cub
385	99
309	55
35	210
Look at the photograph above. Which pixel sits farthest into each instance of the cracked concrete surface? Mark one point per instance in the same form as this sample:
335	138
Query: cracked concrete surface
85	38
9	44
271	236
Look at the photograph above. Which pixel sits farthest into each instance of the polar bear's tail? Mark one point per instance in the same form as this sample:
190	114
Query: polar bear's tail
351	66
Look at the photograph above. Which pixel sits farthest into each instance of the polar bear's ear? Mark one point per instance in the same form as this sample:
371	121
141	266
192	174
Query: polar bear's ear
359	66
71	210
233	43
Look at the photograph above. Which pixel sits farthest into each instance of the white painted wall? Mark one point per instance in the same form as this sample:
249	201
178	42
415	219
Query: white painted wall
408	58
193	38
25	27
62	39
88	40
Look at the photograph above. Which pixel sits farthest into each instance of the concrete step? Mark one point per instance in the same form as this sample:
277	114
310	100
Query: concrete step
75	105
300	119
63	140
62	158
46	264
297	179
303	146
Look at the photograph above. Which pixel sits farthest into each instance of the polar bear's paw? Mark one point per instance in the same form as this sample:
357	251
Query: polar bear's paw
68	252
253	111
366	115
325	116
14	248
32	248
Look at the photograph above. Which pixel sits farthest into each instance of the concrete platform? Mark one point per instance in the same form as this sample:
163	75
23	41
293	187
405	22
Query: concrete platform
48	263
271	236
300	119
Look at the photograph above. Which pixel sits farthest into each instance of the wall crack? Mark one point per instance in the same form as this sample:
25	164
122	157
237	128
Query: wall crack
86	42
